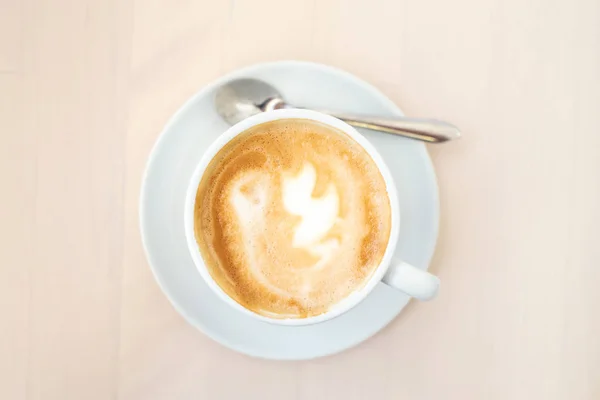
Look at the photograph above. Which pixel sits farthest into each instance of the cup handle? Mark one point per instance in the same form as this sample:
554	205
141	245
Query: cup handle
411	280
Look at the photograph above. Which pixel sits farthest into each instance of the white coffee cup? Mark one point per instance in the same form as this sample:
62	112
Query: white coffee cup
395	273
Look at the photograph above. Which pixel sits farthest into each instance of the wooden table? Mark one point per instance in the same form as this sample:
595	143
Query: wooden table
86	86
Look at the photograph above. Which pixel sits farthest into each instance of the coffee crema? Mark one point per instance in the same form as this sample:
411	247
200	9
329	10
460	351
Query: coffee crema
291	217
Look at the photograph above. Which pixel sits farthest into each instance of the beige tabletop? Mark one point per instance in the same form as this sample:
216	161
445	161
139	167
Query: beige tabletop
87	85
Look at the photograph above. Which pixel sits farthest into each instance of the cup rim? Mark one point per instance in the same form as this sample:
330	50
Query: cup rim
348	302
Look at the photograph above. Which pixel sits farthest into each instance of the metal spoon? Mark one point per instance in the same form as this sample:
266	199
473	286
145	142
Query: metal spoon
242	98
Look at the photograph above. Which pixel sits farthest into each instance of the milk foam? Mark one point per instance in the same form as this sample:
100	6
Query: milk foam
291	224
250	211
318	214
248	196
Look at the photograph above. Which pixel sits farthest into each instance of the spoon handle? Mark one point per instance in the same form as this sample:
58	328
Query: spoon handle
427	130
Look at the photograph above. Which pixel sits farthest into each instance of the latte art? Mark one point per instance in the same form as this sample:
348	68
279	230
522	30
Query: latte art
291	217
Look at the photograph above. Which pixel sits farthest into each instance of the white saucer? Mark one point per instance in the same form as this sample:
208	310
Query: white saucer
172	162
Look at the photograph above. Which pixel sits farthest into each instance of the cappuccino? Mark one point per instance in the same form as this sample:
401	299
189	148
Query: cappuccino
291	217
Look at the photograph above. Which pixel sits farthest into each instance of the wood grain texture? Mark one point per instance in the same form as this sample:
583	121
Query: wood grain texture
86	86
